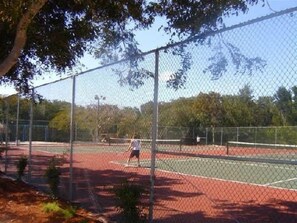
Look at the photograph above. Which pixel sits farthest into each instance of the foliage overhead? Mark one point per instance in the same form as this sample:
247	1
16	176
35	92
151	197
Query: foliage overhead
41	36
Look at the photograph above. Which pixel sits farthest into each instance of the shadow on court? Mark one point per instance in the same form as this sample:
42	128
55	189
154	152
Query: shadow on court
174	201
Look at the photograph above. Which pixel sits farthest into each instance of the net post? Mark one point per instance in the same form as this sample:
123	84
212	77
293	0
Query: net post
227	145
180	145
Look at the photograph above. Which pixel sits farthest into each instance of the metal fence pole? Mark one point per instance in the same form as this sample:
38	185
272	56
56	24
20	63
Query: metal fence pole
154	136
222	134
6	134
256	136
30	137
17	121
275	136
71	140
206	137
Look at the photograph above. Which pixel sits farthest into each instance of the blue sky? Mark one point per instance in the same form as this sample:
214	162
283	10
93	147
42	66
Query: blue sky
151	39
273	40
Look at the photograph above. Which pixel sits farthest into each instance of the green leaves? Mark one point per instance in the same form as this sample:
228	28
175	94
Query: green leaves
52	174
21	166
62	31
129	197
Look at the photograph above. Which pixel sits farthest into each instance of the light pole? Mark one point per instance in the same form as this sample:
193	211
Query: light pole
17	120
97	116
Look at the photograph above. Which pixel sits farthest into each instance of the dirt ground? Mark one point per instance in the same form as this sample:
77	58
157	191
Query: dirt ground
20	203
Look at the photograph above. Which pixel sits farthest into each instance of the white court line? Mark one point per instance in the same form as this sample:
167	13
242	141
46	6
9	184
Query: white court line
218	179
236	162
225	180
280	181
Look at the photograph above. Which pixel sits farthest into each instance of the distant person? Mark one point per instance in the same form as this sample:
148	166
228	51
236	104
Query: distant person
135	146
198	139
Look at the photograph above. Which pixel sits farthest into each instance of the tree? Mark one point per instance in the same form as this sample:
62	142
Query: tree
237	112
128	124
42	35
209	109
177	113
266	112
283	101
246	94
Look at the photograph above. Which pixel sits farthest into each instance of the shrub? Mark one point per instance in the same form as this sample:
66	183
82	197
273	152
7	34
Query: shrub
21	166
52	174
129	201
1	151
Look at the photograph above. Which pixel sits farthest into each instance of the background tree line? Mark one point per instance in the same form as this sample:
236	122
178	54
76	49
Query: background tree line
182	117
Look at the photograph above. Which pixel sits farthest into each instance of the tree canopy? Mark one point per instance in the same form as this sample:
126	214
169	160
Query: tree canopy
39	36
182	117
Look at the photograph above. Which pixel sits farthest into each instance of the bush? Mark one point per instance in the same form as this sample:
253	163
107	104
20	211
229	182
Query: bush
129	196
2	149
21	166
52	174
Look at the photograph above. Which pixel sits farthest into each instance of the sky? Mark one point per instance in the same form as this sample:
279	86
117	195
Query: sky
152	39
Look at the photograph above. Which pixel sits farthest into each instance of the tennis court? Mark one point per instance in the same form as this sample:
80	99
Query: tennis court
252	178
256	166
249	165
118	145
283	176
195	172
202	172
227	169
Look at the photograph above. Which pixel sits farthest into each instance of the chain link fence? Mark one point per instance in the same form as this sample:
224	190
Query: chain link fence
216	117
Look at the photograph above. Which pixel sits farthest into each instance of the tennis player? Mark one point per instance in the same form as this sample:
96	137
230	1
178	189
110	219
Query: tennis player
135	146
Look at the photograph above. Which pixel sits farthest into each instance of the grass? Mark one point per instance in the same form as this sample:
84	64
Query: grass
54	207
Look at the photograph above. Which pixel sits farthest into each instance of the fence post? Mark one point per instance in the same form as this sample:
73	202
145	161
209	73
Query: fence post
17	120
222	133
6	133
154	136
71	140
275	136
206	136
30	136
255	140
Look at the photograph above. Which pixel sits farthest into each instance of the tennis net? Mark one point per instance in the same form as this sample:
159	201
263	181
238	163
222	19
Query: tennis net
162	144
280	153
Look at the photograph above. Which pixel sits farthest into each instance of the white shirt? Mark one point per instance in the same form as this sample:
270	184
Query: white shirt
135	144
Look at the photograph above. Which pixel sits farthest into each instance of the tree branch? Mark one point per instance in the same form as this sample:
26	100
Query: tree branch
21	36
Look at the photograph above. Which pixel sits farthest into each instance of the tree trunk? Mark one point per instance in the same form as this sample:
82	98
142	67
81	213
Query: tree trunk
21	36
